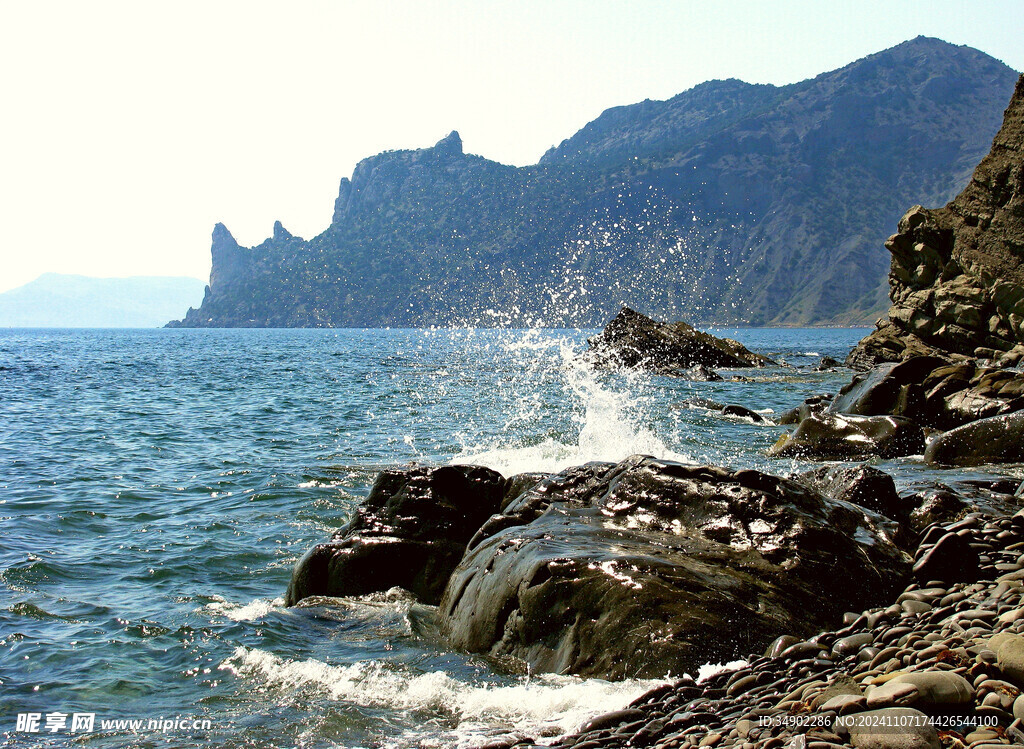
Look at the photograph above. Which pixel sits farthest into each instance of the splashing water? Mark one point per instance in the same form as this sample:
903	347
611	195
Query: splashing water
609	421
547	705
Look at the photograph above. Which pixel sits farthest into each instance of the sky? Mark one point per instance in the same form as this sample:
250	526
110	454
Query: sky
130	128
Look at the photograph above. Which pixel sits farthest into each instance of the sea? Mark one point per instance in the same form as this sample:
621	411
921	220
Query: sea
158	486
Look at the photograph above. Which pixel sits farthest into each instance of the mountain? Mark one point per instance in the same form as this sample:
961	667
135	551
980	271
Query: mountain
55	300
730	203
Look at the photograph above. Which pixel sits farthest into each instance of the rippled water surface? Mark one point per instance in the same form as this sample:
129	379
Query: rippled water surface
156	488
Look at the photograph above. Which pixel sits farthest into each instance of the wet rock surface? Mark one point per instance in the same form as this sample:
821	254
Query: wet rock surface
648	566
998	439
634	341
927	391
832	436
410	532
941	666
859	484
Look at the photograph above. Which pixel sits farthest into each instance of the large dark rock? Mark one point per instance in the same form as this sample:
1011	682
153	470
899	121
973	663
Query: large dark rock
933	391
951	559
888	389
636	341
830	436
957	277
997	439
813	405
858	484
647	567
410	532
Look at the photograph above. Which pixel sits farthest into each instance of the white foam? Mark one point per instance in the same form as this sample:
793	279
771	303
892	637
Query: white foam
546	705
708	670
248	612
610	420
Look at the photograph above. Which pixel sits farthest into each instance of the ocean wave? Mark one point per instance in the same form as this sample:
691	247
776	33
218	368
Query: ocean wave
247	612
547	705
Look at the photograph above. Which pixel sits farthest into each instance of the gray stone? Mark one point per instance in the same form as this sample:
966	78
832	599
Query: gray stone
890	728
1009	650
1018	708
852	643
928	689
846	703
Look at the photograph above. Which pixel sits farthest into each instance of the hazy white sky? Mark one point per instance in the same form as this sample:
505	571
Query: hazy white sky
130	128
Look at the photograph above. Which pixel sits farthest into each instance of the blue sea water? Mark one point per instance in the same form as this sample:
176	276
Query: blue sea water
156	488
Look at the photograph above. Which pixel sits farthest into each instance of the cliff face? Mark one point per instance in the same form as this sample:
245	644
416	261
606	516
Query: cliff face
730	203
957	275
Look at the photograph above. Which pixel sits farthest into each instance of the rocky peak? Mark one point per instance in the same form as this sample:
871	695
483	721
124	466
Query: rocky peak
956	280
228	258
342	201
280	233
223	239
450	145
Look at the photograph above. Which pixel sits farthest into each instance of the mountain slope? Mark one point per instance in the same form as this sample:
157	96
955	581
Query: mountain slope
56	300
729	203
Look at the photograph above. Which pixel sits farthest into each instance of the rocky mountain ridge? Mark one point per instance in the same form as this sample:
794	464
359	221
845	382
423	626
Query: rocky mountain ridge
730	203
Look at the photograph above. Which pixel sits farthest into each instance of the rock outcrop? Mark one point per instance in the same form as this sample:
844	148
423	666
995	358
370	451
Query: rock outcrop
648	566
635	341
410	532
944	359
957	275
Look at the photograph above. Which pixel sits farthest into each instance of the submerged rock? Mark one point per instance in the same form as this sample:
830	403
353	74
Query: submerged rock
700	373
635	341
649	566
743	412
410	532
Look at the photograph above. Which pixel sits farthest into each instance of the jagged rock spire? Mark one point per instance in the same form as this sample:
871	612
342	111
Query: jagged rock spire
450	145
280	233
